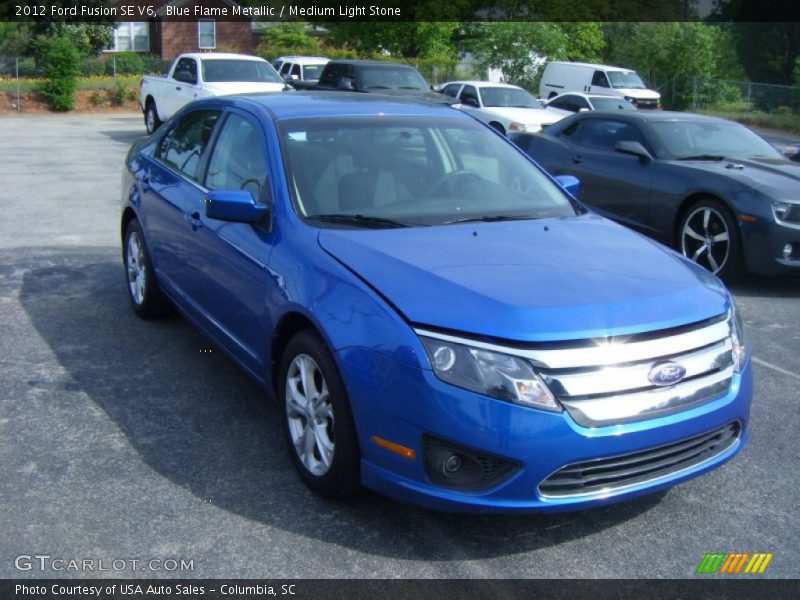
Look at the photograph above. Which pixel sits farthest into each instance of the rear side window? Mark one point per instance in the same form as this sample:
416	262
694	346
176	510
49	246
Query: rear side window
451	90
330	75
470	93
183	147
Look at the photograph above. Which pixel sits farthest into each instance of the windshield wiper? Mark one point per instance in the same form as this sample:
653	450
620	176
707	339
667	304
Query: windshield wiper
362	220
377	87
703	157
490	219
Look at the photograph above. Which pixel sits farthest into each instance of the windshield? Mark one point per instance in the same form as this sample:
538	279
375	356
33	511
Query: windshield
625	79
411	171
684	139
611	104
392	78
227	69
312	72
511	97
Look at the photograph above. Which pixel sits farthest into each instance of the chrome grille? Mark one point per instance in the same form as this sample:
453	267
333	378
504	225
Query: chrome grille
605	475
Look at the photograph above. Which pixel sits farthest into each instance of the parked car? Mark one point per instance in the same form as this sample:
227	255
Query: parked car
376	77
439	320
195	76
792	152
573	102
563	77
300	71
505	107
712	188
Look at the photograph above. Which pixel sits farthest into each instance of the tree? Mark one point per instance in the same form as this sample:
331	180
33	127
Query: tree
58	59
520	49
417	39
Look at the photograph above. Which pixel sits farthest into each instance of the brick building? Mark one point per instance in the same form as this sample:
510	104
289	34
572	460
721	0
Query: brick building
168	37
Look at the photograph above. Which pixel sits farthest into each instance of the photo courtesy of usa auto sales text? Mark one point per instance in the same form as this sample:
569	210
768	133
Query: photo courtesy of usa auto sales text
135	589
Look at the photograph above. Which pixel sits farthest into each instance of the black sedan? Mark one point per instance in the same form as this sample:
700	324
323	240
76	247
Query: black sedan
712	188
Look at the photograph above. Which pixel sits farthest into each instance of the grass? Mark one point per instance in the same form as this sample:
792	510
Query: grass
740	112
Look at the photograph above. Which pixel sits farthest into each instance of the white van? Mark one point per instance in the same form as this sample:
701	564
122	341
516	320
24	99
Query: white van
561	77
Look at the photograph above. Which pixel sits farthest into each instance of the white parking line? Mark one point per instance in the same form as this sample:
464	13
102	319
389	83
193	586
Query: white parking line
776	368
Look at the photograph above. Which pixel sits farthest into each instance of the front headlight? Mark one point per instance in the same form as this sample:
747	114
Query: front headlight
738	341
500	376
521	127
786	211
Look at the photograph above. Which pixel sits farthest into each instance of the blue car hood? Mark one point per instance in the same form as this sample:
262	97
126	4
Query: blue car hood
542	280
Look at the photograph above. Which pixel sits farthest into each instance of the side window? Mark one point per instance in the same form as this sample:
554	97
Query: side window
573	133
296	70
579	103
451	90
605	133
188	66
562	102
330	75
469	95
600	79
184	145
238	161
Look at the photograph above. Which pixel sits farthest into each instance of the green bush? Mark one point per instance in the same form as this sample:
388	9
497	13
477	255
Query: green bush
92	67
59	60
27	67
96	98
152	63
117	95
127	63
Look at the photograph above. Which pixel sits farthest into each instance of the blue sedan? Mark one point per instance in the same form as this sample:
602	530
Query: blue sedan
439	319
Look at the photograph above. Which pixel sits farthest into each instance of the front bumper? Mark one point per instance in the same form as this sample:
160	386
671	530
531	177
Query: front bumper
763	247
402	403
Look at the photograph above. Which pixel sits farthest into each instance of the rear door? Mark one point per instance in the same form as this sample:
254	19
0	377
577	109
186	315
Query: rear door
170	187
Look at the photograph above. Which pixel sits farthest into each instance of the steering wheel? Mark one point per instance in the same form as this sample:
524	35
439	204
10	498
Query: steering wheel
448	181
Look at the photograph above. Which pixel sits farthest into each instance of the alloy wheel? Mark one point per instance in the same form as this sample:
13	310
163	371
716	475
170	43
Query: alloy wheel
309	413
705	239
136	268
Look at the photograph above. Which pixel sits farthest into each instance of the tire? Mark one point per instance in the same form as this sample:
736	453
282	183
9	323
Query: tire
151	120
327	456
498	127
709	236
146	297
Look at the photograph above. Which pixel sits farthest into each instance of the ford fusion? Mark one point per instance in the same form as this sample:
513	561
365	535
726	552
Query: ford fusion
440	320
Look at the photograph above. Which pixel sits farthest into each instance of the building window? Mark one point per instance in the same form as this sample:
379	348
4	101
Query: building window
133	36
207	34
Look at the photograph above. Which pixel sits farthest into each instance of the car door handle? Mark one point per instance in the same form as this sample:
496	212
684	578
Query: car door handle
194	220
577	159
177	87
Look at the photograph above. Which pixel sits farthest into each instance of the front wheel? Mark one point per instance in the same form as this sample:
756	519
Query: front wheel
317	420
709	236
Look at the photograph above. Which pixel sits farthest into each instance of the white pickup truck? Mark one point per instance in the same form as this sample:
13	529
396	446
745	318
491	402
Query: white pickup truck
195	76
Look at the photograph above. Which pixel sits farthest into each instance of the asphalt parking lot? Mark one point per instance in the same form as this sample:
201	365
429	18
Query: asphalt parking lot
129	440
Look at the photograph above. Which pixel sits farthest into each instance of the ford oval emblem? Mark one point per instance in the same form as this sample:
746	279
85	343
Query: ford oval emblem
666	373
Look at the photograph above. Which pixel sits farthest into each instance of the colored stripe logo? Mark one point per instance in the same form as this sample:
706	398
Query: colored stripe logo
734	563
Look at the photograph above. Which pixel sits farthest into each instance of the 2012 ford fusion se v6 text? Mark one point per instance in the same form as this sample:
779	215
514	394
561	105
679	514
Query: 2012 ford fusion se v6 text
440	320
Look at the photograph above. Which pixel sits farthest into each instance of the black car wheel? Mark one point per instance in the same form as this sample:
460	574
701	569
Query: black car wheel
317	420
147	299
498	127
709	236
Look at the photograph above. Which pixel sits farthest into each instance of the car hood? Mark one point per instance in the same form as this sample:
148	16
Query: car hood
778	177
537	280
526	116
639	94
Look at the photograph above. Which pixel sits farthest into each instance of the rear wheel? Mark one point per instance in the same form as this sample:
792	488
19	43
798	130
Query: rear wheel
317	420
147	299
151	120
709	236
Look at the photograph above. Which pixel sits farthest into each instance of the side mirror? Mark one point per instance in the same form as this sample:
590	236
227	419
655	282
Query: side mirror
346	83
234	205
570	184
634	148
584	109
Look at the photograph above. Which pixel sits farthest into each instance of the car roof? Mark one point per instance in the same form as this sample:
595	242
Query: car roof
591	65
482	84
294	105
302	60
222	55
371	63
651	116
585	95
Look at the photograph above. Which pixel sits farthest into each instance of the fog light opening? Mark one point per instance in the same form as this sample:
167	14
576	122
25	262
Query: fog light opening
462	469
788	250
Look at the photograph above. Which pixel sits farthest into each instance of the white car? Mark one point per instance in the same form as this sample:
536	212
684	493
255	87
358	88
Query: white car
573	102
505	107
300	68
